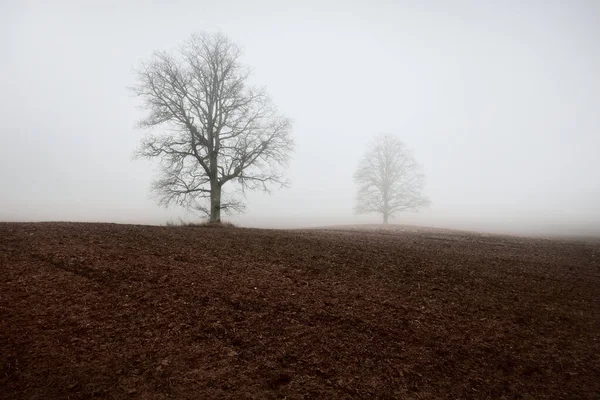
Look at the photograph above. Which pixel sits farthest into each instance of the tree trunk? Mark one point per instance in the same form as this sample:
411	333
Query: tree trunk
386	209
215	202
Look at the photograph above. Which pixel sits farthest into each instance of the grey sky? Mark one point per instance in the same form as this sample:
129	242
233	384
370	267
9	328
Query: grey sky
499	101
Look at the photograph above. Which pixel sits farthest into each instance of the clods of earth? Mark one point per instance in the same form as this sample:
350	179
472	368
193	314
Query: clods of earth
122	311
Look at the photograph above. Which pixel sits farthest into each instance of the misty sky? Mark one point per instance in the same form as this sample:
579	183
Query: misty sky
500	101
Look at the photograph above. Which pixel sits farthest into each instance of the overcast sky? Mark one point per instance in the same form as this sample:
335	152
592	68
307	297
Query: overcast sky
500	101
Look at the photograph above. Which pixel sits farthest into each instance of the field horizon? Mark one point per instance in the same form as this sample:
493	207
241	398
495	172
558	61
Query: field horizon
585	235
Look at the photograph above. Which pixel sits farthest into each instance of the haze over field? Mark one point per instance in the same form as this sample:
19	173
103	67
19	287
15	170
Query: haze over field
498	100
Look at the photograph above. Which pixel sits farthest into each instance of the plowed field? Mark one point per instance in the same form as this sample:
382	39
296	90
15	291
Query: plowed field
122	311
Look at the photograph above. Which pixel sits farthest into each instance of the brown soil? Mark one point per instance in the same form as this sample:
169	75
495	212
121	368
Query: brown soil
120	311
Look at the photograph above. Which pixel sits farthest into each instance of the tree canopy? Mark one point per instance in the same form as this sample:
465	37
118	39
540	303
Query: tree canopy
389	179
209	127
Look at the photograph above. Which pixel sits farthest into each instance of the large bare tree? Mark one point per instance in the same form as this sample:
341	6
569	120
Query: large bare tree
389	179
209	127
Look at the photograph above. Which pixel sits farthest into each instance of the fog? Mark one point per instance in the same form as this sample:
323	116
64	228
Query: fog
498	100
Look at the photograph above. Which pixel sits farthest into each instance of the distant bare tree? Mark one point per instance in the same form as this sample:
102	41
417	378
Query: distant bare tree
215	127
389	179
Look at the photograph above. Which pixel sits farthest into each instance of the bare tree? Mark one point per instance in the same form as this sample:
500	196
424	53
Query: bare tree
214	127
389	179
